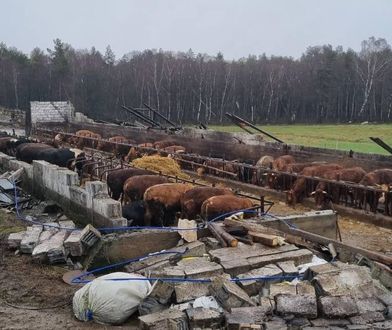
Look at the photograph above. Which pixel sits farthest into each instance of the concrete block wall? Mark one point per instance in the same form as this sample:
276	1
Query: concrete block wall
58	112
15	117
91	204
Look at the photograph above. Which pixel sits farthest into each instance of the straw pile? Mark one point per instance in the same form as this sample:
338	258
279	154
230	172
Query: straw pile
157	163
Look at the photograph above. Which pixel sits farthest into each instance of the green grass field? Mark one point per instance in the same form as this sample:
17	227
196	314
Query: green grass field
343	137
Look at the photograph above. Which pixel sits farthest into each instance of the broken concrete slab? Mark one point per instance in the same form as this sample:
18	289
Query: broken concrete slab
326	323
275	323
252	287
367	317
188	235
240	317
282	288
247	251
298	305
182	307
369	305
162	291
304	287
301	256
200	268
30	239
229	294
190	291
288	267
14	239
204	318
167	272
150	305
338	306
211	243
52	250
172	319
194	249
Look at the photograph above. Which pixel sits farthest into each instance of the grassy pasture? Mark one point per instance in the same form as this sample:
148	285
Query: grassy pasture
342	137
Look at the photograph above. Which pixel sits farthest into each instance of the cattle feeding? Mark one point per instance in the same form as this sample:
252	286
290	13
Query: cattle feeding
222	204
326	193
162	201
298	190
135	187
194	198
116	179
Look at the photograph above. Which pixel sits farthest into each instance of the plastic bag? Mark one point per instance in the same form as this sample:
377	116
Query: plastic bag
109	301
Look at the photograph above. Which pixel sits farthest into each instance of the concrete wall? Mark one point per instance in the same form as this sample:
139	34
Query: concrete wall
43	112
12	116
90	204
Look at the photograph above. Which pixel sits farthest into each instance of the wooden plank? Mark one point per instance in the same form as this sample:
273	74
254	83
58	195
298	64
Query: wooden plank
266	239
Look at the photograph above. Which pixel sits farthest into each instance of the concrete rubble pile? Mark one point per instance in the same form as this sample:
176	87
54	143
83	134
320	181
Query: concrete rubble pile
328	296
54	242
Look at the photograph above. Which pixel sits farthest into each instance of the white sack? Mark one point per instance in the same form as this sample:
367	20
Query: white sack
107	301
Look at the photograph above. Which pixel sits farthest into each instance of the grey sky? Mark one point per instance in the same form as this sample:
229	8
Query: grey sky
235	27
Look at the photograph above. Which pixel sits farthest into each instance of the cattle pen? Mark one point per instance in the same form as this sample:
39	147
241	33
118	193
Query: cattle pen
251	177
265	243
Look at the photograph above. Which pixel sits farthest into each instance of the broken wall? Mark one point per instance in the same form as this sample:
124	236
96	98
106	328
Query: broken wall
88	205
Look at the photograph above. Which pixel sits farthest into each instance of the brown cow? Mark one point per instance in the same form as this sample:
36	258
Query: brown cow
219	205
298	190
163	144
377	178
135	187
325	193
282	181
280	163
81	142
162	201
193	199
115	179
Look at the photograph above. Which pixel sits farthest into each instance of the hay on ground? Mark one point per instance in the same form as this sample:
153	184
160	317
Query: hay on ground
161	164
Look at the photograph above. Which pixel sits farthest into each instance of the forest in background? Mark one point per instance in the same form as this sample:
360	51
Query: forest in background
324	85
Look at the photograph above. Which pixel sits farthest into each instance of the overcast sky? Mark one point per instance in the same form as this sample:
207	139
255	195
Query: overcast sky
234	27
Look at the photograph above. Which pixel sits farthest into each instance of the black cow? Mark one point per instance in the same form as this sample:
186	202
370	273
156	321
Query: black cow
134	213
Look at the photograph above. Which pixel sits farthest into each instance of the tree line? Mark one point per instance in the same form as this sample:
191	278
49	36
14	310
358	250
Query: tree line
324	85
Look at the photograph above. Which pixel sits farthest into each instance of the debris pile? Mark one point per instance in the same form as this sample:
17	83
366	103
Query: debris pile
54	242
258	287
165	165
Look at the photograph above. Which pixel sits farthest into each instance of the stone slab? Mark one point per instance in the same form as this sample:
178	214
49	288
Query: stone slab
282	288
301	256
172	319
14	239
244	315
190	291
229	294
200	268
288	267
298	305
253	287
30	239
205	318
367	317
338	306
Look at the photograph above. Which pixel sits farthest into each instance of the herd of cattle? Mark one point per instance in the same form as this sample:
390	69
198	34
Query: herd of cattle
150	199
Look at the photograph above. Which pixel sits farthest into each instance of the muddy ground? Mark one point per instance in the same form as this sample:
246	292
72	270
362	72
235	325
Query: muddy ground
33	296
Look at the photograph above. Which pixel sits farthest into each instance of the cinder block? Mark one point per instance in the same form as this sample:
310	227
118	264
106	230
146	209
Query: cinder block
107	207
78	195
14	165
